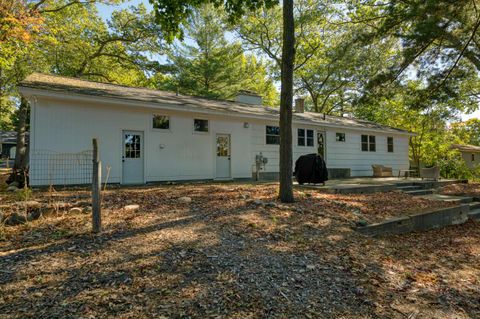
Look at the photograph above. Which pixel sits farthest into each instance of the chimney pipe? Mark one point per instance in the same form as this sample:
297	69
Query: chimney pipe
299	105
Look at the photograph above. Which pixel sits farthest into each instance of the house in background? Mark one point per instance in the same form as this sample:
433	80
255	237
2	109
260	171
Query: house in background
148	135
470	154
8	144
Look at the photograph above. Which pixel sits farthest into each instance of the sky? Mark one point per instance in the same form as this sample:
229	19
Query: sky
105	12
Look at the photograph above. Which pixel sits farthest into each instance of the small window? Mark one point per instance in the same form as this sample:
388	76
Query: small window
390	144
368	143
371	143
301	137
200	125
340	137
273	135
161	122
365	143
305	137
309	137
473	157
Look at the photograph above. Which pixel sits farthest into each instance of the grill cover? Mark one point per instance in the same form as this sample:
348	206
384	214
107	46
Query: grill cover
310	168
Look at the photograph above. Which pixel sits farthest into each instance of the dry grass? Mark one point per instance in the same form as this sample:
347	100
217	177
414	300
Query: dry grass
224	256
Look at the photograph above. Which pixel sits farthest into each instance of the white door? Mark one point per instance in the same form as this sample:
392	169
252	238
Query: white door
132	157
223	156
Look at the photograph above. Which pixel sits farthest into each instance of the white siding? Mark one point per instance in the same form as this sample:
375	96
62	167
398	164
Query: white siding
70	127
349	154
181	154
467	157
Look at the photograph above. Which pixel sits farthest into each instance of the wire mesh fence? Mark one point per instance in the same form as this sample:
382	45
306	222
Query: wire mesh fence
53	168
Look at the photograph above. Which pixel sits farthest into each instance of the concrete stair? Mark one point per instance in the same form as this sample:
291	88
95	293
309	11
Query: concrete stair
419	192
450	198
409	188
474	214
474	205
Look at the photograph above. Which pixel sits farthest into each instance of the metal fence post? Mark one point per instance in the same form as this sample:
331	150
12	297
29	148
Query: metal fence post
96	188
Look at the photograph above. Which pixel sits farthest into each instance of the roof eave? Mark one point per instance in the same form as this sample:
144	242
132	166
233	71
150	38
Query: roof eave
31	92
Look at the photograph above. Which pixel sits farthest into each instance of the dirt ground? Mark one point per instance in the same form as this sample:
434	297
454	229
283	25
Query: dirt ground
235	252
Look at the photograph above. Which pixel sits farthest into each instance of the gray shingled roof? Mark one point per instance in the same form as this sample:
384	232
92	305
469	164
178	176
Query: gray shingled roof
466	148
62	84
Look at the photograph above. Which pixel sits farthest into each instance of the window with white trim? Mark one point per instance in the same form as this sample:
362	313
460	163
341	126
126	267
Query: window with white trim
305	137
272	135
369	143
161	122
390	144
340	137
200	125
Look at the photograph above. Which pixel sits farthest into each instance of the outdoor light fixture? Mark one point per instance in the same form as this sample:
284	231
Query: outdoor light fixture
246	125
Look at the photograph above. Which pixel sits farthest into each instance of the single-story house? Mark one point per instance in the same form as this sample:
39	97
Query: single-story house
470	154
148	135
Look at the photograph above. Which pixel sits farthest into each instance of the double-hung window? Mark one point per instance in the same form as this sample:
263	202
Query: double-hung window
305	137
368	143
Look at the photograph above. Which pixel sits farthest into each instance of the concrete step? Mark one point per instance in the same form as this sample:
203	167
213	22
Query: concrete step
409	188
474	205
420	192
474	214
449	198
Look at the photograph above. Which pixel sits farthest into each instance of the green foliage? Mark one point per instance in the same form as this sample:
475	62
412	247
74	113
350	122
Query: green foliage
467	132
208	65
172	14
452	165
24	194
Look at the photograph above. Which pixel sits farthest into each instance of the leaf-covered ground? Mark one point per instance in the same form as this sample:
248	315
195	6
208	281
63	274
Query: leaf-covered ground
470	189
235	252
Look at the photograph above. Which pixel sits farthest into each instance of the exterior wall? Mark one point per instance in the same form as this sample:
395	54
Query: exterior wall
350	154
67	127
346	154
467	157
180	153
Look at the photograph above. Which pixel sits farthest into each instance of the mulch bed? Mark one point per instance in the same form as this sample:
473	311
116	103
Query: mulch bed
234	251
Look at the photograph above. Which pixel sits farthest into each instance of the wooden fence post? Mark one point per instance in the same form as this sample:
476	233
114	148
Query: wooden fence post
96	189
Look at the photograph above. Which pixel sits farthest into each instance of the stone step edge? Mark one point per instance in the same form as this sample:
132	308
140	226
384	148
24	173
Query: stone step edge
418	222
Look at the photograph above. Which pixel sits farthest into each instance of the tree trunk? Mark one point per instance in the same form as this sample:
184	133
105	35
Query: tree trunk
286	100
21	153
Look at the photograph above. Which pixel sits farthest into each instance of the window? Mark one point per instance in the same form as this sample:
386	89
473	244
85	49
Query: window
132	146
303	139
200	125
161	122
473	157
368	143
371	143
390	144
365	143
340	137
309	137
273	135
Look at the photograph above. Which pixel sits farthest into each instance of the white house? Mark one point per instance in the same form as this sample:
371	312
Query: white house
148	135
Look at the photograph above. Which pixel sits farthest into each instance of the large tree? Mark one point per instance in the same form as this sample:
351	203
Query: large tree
71	39
209	65
172	14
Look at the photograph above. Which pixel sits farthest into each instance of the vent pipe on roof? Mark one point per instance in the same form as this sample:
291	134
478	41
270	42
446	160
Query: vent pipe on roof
248	97
299	105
